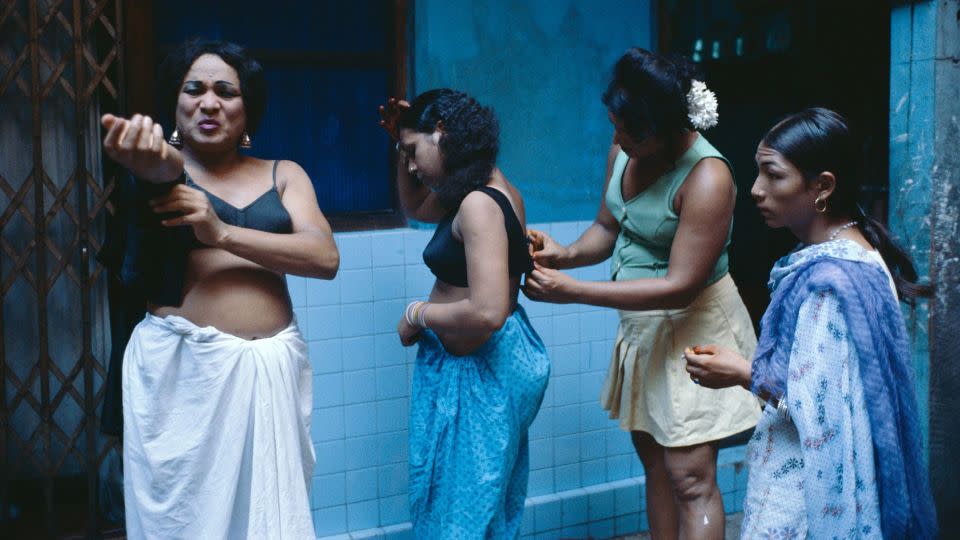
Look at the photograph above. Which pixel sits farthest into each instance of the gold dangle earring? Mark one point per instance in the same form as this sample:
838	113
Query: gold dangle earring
820	204
245	142
175	139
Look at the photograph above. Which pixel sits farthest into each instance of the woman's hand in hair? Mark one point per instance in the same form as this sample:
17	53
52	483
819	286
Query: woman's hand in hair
390	116
548	285
713	366
138	144
545	250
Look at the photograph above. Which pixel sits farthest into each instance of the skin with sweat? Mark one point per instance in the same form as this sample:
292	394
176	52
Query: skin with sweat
236	282
463	318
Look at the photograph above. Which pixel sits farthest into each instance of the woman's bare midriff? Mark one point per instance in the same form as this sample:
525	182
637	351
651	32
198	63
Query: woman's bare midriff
233	295
463	344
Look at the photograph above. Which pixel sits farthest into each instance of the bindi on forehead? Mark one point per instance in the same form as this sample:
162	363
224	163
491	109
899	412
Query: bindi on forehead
212	76
212	68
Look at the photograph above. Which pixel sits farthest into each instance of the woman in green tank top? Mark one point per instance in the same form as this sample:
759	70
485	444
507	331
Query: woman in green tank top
665	222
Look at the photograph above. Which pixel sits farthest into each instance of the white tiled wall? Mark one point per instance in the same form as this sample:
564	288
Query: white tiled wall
584	476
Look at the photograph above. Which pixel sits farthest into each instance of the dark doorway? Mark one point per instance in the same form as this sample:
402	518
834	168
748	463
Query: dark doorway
768	58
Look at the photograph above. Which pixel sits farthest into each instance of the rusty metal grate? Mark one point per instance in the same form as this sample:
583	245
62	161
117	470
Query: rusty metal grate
59	63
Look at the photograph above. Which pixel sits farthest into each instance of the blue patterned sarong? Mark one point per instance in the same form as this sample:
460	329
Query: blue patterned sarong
468	433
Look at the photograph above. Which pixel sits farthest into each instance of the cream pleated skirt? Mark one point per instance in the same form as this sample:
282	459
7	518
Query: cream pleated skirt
647	387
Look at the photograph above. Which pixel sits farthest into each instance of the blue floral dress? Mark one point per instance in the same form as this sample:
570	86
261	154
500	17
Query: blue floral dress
469	417
812	471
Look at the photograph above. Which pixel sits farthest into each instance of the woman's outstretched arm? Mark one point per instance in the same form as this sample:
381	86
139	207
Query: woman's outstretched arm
594	245
138	145
705	214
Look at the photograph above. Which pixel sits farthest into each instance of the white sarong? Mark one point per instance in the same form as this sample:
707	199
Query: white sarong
216	433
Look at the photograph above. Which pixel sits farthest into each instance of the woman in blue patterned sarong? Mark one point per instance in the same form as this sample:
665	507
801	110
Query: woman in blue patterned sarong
481	369
837	452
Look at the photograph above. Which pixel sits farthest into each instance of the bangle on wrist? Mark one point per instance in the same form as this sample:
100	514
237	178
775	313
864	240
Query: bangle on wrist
422	315
408	312
415	314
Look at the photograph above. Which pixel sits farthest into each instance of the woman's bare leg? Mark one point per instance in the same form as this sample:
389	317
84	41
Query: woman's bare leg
693	475
661	504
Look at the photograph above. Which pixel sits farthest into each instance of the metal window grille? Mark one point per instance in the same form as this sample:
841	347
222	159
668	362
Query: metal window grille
60	61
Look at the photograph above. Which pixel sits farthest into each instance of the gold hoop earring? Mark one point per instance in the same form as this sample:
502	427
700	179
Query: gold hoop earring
820	204
245	142
175	139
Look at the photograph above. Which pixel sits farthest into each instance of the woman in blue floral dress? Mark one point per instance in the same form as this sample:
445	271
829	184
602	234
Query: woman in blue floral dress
837	452
481	368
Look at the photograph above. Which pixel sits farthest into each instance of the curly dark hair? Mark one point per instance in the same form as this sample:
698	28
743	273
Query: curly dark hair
648	92
469	144
253	83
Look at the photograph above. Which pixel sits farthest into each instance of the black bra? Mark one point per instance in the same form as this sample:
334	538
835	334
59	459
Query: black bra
446	258
266	213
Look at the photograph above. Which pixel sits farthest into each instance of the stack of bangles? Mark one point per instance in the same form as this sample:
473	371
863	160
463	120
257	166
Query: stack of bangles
778	403
415	314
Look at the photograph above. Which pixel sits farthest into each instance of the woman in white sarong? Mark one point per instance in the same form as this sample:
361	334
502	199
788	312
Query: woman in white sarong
216	380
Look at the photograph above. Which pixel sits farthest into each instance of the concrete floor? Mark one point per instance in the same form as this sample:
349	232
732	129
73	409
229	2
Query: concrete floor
732	532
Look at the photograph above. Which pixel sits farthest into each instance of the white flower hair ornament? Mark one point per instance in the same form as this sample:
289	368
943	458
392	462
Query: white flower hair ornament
701	106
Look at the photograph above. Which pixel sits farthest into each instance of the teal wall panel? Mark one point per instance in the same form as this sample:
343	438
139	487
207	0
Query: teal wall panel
542	65
913	42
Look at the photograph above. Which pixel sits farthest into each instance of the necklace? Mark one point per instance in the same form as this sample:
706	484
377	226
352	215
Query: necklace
840	229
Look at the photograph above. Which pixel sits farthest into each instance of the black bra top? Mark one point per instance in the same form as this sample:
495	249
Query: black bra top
151	260
266	213
445	256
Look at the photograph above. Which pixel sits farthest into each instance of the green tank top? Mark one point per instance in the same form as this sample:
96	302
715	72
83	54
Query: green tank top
648	223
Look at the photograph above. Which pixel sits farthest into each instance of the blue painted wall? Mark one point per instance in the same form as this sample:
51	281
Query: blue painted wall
912	51
542	65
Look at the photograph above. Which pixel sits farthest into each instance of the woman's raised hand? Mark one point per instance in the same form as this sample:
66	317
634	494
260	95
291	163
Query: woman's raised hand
138	145
545	250
390	116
